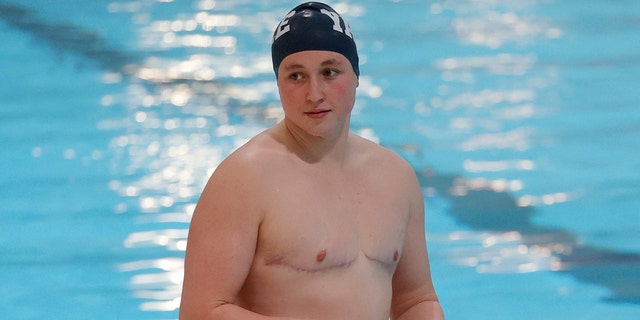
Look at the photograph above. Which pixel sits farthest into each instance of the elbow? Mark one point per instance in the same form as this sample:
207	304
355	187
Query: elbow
212	310
423	307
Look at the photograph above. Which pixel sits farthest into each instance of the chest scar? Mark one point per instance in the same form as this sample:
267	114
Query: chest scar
320	257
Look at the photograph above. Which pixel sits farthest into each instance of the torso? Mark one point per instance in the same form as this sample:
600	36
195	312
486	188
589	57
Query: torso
328	235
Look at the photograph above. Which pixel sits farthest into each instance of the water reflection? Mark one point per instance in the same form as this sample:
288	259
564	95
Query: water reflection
189	105
161	289
492	102
501	252
494	23
507	240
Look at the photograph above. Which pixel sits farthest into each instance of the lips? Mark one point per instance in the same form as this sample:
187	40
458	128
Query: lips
317	113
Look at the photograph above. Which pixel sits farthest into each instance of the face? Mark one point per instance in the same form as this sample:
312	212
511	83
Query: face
317	90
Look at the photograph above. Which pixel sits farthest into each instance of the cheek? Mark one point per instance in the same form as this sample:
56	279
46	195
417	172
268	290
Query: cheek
347	95
287	95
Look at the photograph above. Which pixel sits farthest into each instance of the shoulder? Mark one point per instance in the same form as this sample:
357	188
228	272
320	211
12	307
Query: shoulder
383	168
237	182
374	156
250	160
242	170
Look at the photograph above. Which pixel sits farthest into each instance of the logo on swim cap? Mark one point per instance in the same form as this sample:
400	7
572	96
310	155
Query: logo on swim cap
313	26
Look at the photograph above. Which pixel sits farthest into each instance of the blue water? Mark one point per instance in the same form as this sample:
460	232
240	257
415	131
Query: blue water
520	117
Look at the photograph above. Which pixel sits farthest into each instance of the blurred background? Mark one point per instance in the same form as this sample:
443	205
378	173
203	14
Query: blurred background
520	117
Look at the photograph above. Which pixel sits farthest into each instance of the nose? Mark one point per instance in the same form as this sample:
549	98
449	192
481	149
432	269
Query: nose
315	90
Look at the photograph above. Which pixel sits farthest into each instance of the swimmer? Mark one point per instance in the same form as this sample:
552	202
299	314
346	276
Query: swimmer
308	220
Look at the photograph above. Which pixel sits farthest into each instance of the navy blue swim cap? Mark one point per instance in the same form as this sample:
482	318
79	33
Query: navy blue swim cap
313	26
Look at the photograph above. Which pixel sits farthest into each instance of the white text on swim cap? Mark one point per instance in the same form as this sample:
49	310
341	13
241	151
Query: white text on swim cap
284	27
336	23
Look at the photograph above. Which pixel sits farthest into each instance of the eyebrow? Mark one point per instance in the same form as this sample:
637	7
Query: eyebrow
329	62
325	63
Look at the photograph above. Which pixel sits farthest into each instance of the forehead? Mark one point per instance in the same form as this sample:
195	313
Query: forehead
313	58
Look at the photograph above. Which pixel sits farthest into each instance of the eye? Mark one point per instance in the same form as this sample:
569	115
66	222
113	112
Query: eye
329	72
296	76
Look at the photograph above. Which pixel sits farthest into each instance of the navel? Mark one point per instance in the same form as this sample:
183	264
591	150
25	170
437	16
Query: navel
395	255
321	255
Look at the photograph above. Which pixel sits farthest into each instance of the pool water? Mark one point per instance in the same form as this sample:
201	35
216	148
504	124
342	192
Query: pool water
521	119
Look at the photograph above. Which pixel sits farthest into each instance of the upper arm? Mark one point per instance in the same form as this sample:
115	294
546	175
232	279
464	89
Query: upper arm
222	241
412	282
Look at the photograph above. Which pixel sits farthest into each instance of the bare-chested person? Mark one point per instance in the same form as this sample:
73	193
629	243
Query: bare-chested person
307	220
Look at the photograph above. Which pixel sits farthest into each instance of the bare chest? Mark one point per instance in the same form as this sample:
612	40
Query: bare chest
312	227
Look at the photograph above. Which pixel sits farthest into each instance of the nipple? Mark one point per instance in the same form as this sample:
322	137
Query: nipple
395	255
321	255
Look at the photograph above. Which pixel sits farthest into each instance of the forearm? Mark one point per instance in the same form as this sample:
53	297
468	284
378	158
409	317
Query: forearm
426	310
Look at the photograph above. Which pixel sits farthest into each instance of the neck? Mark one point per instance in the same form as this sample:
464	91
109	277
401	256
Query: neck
330	148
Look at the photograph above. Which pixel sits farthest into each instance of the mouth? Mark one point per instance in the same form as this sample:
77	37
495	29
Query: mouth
315	114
